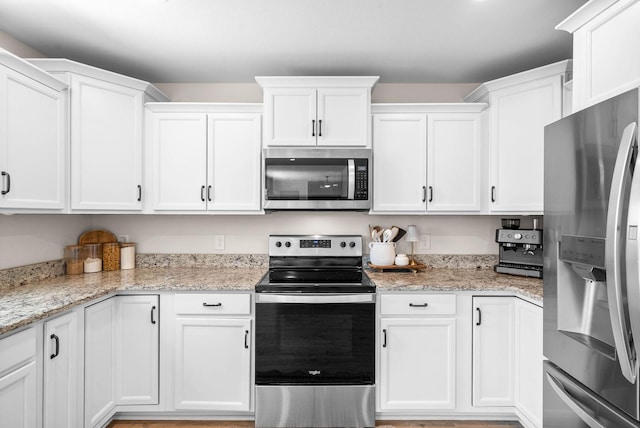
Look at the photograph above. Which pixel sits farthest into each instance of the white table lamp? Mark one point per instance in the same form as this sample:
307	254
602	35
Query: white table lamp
412	236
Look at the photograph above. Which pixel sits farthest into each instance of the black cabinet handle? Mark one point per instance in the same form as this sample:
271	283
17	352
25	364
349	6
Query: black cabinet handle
424	193
209	193
210	305
430	193
493	193
153	309
384	341
57	351
246	338
313	127
479	316
422	305
202	193
320	128
139	193
6	174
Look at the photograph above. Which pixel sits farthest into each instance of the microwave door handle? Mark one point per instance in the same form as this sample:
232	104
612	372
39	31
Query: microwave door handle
613	248
351	191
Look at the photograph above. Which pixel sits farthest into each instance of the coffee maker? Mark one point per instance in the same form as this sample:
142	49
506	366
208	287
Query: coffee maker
520	251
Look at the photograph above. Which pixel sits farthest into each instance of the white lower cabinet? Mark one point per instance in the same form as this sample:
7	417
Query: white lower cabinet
417	352
18	380
61	372
212	369
121	355
99	362
493	351
529	380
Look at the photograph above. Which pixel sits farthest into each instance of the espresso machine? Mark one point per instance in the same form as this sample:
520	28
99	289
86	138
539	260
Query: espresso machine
520	251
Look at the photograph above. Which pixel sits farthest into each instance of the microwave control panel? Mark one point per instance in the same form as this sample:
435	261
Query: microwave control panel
362	179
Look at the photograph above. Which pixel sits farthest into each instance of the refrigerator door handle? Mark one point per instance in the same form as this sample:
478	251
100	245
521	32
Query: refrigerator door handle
615	230
577	407
632	251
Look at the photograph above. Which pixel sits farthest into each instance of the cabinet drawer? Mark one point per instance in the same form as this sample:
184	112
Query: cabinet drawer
17	348
213	304
418	304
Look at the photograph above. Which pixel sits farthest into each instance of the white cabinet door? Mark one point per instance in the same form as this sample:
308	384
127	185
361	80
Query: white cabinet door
61	372
518	116
399	162
343	116
33	143
605	63
137	356
18	397
290	116
106	145
179	153
213	364
493	351
234	162
417	363
100	361
19	391
528	356
454	162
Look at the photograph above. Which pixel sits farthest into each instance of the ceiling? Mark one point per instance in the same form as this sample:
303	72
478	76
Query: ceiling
231	41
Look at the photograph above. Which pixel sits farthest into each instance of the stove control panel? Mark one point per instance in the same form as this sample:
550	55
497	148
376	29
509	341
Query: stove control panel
315	245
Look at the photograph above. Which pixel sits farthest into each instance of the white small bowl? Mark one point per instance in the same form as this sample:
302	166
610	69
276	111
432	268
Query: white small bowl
402	260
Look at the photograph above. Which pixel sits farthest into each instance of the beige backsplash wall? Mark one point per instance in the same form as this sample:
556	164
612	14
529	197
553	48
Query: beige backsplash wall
248	234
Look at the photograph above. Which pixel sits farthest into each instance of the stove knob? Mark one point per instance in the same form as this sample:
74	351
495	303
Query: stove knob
287	244
352	244
517	235
278	244
343	244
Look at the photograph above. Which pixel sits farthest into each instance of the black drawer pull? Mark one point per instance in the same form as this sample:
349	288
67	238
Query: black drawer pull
211	305
418	305
246	338
384	342
6	174
57	351
479	316
153	309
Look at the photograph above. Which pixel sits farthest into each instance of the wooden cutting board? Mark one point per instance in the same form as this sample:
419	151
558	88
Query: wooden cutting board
96	237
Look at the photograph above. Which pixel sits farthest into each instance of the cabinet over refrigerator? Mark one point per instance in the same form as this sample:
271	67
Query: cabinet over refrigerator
591	267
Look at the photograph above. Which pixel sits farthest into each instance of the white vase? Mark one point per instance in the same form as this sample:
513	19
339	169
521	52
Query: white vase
382	253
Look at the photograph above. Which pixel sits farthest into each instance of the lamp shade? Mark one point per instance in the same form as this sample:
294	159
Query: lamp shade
412	233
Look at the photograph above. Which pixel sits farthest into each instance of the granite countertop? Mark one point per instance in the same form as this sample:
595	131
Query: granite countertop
22	305
25	304
457	279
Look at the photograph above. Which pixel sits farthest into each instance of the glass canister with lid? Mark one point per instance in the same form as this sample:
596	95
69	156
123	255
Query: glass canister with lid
111	256
92	257
73	261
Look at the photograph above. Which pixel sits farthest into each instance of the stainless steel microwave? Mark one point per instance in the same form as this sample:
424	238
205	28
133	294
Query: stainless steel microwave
317	179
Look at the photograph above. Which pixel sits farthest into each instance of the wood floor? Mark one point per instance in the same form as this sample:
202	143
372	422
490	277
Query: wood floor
379	424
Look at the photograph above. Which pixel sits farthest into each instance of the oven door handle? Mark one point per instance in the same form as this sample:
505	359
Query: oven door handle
315	298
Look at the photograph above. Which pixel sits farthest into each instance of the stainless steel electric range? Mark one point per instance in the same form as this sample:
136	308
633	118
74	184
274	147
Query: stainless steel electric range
315	335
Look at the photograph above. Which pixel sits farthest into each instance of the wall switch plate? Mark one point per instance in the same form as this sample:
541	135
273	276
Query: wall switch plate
218	242
123	238
425	242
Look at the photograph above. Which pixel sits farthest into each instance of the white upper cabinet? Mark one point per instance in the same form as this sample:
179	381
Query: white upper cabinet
317	111
427	158
33	144
606	40
107	113
204	158
520	106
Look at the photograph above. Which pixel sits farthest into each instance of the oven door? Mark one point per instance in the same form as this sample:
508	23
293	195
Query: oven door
308	339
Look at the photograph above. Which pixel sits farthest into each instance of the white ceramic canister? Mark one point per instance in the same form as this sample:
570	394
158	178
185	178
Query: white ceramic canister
382	253
402	260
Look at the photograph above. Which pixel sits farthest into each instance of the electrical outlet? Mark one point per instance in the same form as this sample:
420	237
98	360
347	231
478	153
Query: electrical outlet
218	242
123	238
425	242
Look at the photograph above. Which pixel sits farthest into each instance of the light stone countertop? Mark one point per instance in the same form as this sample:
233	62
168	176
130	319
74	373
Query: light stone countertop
457	279
25	304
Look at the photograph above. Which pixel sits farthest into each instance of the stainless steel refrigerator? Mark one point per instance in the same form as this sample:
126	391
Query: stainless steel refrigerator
591	267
